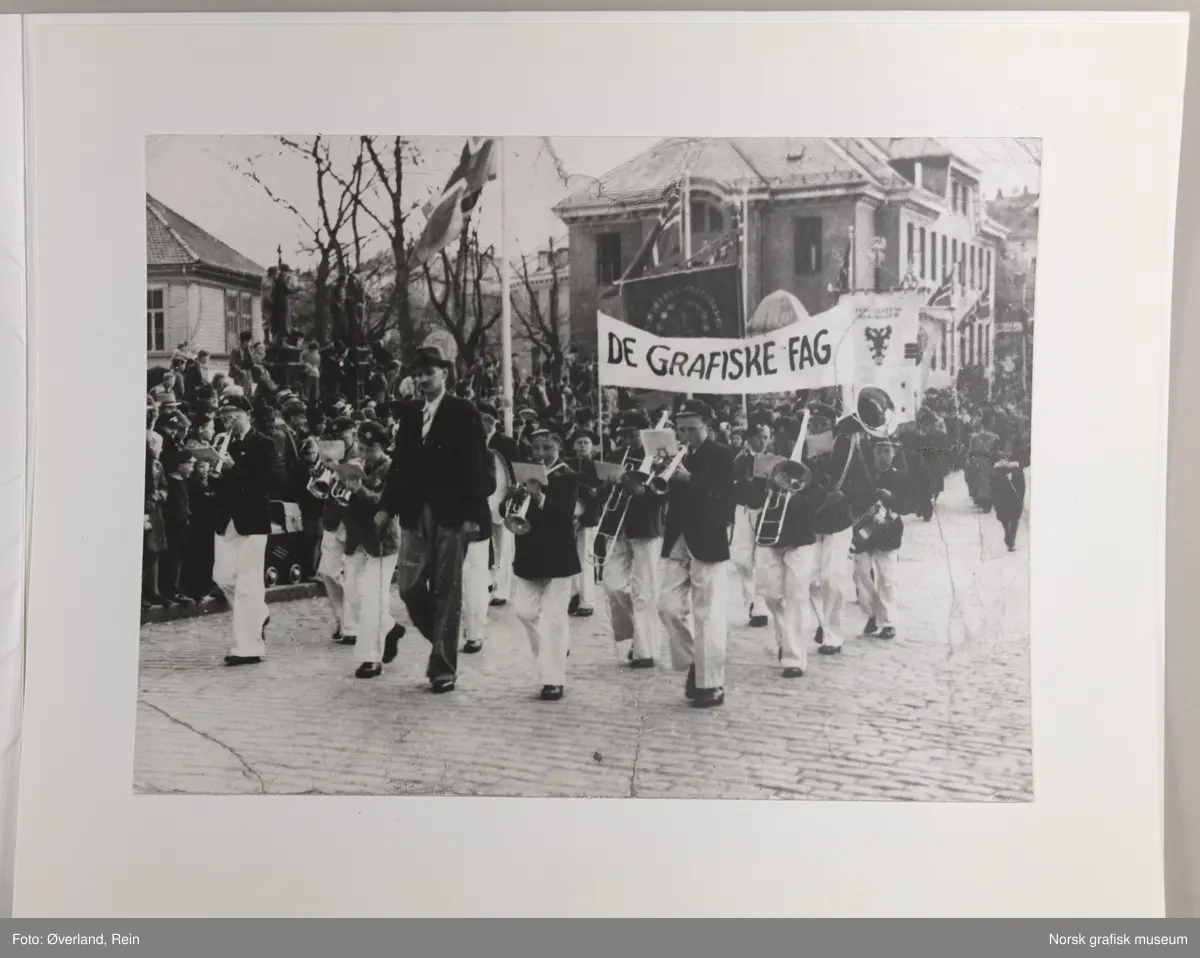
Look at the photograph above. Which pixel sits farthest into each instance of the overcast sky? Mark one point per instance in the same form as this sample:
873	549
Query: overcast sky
204	179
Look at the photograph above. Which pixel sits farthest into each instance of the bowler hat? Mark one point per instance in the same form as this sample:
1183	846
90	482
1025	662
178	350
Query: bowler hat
432	355
585	434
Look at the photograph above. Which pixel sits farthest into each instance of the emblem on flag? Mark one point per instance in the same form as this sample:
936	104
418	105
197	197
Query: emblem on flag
878	337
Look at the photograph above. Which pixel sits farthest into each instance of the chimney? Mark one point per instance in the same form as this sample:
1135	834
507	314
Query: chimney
917	173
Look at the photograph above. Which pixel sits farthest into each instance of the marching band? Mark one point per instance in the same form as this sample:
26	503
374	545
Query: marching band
667	521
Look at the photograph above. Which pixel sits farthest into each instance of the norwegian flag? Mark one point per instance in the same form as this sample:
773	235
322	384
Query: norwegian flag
648	254
444	219
943	296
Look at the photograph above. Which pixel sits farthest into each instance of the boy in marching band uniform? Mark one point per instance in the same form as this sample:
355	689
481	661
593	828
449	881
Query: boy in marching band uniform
748	490
546	561
587	515
784	571
694	572
374	550
630	575
502	539
876	545
339	575
243	521
476	576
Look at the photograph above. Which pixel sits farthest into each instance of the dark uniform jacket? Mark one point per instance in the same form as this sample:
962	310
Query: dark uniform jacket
799	527
446	470
360	515
747	490
701	509
839	506
645	514
244	489
548	550
589	490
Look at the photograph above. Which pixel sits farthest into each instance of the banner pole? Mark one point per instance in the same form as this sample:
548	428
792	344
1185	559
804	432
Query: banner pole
506	370
745	281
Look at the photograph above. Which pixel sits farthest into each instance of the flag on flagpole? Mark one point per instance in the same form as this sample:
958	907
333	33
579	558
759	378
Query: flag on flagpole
648	254
444	219
943	296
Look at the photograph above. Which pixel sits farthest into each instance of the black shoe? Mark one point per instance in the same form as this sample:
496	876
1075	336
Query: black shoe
391	642
337	634
368	670
243	659
870	628
791	672
1012	548
819	635
184	600
758	621
830	649
584	613
689	687
348	639
264	628
471	648
887	633
573	605
629	656
443	683
551	693
708	698
496	603
641	663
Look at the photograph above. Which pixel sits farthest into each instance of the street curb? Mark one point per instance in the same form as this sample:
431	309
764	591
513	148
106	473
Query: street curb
279	593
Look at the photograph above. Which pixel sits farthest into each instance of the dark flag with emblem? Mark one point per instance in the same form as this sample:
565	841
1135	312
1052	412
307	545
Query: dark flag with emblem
648	254
703	302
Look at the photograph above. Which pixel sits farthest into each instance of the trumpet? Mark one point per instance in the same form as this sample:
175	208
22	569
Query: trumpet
612	519
515	511
341	493
787	480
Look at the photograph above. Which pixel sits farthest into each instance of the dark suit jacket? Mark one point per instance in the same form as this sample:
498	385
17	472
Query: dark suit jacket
837	511
589	491
447	470
748	490
644	514
287	454
244	489
548	550
360	516
701	509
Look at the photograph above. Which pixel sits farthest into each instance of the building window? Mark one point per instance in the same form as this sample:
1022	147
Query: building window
972	267
945	258
912	248
933	257
808	245
987	276
922	252
954	195
238	317
706	218
156	319
952	263
962	267
944	337
608	258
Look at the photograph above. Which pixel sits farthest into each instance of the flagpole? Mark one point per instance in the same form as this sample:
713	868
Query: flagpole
685	217
506	370
745	280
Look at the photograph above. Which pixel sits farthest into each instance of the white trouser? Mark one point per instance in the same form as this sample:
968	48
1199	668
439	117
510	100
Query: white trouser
584	584
631	581
783	577
339	576
879	595
375	603
475	578
238	572
831	577
541	605
502	546
742	550
695	593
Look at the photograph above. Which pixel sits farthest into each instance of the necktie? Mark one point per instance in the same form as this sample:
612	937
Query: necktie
426	421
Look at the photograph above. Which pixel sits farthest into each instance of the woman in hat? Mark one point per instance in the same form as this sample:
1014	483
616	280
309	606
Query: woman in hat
545	563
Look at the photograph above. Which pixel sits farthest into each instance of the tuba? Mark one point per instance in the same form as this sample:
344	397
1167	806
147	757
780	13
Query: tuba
788	479
875	411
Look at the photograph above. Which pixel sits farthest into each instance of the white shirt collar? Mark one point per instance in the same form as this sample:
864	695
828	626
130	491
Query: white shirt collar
432	404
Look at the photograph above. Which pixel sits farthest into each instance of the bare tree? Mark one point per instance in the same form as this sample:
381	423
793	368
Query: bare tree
541	326
459	294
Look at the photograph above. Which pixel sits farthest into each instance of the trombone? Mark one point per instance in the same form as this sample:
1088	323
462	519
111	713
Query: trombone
788	479
612	519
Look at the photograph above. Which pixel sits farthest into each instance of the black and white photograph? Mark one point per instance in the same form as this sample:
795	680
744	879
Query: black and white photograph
593	467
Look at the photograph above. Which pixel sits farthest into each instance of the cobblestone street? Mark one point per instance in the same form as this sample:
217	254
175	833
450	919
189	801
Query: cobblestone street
941	713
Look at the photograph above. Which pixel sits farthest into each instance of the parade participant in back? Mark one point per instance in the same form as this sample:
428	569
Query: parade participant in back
587	517
694	573
749	489
339	577
1008	494
502	539
373	550
546	561
476	575
928	451
243	522
631	564
784	569
876	546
